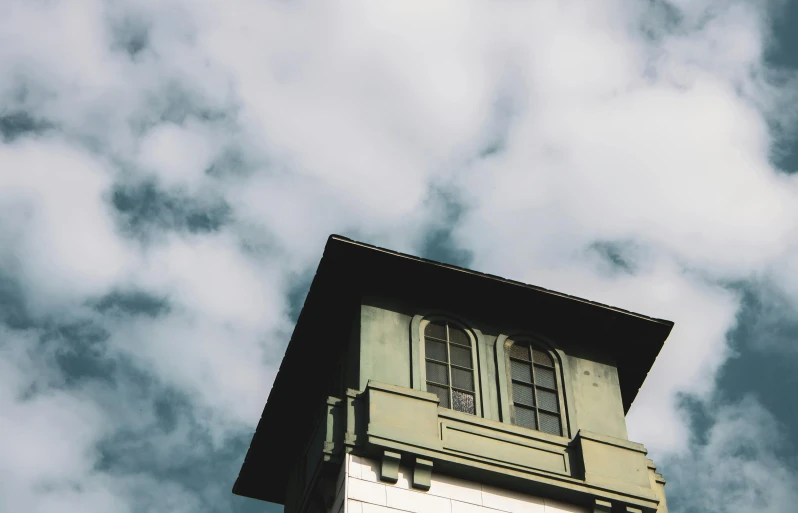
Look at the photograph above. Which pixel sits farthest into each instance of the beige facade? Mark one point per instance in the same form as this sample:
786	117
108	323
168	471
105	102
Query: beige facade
360	490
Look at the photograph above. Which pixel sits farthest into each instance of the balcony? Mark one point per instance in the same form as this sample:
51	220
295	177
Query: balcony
394	424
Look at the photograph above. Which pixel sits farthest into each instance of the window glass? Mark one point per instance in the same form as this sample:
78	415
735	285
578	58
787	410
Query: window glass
464	402
461	356
521	371
436	330
520	352
437	373
441	392
523	394
525	417
536	401
462	379
450	366
437	350
544	377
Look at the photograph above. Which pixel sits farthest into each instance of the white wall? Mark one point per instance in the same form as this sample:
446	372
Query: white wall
361	491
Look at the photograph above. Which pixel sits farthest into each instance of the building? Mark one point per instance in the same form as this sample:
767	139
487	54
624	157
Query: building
410	385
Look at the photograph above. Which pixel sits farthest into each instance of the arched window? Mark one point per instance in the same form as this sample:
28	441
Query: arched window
536	395
450	365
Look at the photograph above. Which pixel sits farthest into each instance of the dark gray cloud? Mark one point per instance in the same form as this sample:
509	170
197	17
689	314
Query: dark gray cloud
132	302
781	53
765	342
439	243
621	256
742	461
131	36
16	124
81	352
144	207
13	310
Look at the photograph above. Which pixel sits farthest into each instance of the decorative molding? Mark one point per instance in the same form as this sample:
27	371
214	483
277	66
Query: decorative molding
389	470
417	373
602	506
422	474
484	381
501	373
500	427
333	427
351	434
497	449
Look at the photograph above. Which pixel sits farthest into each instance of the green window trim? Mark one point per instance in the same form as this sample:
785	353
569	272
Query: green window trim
449	362
531	387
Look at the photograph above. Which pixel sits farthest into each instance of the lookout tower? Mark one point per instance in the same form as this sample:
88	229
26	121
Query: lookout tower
411	385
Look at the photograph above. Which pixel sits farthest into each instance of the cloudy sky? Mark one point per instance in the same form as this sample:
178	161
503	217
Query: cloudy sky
170	170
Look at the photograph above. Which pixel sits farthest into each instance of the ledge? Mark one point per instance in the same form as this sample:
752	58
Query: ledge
610	440
502	427
409	392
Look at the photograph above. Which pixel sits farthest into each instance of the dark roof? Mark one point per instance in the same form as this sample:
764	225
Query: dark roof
339	238
349	270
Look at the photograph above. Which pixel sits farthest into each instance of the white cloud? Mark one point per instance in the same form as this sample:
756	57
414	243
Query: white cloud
179	155
225	368
55	224
345	118
703	313
47	448
740	466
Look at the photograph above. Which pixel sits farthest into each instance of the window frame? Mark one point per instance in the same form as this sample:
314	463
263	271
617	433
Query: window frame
419	364
508	403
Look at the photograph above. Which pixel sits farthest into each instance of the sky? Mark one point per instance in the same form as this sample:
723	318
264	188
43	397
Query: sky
170	171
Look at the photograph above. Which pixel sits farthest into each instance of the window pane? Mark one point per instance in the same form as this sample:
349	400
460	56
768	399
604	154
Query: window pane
520	351
458	336
525	417
436	329
523	394
441	392
437	373
462	379
550	423
544	377
521	371
436	350
461	356
542	358
548	401
463	402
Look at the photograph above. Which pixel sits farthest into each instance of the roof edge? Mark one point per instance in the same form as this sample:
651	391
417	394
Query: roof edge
346	240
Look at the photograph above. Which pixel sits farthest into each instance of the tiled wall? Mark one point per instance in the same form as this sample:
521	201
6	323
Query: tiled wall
361	491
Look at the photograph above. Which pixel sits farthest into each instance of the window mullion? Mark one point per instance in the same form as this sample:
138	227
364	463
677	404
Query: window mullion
449	367
534	388
537	417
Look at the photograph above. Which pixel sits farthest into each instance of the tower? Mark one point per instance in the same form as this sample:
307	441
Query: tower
411	385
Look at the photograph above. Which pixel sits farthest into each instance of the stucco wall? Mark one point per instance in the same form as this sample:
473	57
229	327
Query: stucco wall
596	393
384	346
592	388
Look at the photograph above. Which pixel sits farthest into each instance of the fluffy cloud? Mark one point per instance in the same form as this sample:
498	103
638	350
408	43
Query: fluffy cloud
57	231
169	172
740	465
